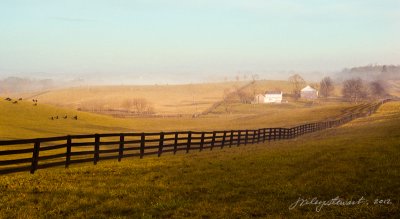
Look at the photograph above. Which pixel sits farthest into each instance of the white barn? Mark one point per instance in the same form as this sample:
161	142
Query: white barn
273	97
309	93
269	97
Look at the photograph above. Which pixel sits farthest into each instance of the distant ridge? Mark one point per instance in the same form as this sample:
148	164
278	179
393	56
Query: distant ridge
371	72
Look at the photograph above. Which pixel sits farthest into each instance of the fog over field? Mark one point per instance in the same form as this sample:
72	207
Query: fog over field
174	42
199	109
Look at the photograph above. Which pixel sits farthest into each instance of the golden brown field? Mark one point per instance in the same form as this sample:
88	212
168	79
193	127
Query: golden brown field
165	99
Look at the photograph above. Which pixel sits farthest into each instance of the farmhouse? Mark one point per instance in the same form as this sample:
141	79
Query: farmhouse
309	93
273	97
269	97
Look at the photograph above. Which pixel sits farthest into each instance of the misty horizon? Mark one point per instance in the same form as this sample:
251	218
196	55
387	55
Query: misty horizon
175	42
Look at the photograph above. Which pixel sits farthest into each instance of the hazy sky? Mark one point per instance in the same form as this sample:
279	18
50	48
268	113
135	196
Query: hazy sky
137	41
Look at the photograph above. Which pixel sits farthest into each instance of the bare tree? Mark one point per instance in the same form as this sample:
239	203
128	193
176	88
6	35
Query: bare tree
354	89
254	78
297	83
326	87
228	100
377	89
244	97
139	105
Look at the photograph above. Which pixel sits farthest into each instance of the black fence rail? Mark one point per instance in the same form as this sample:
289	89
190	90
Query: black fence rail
33	154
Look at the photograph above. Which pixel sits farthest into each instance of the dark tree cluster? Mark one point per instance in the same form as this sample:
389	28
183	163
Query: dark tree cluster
326	87
297	83
356	89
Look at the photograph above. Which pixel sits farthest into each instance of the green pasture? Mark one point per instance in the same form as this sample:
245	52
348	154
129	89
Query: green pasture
357	160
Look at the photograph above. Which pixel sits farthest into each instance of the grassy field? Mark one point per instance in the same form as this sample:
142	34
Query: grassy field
357	160
165	99
23	120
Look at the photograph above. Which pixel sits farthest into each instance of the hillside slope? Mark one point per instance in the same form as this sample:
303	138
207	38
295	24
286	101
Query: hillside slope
164	99
358	160
23	120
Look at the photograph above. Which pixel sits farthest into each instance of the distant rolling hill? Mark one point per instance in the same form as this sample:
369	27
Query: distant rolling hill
24	120
371	72
187	99
388	75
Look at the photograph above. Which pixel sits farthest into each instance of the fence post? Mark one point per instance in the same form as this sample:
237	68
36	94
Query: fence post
239	137
246	138
231	139
121	146
96	148
161	144
269	134
176	142
142	143
292	131
202	141
253	138
223	140
189	141
35	156
287	133
264	134
68	154
213	140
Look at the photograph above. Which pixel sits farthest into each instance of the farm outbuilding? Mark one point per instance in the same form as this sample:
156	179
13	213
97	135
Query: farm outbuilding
309	93
269	97
259	98
273	97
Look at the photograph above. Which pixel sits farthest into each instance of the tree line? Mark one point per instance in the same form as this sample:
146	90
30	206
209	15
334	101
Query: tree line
354	89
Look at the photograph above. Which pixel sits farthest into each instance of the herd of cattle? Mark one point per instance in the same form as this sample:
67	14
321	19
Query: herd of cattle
35	102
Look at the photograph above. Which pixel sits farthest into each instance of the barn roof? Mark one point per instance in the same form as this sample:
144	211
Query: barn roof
308	88
273	92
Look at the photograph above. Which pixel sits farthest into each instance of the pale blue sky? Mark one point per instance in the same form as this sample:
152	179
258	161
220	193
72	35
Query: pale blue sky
146	41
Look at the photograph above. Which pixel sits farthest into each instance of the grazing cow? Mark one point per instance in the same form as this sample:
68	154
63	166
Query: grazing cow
76	117
52	118
15	102
8	99
20	99
35	104
65	117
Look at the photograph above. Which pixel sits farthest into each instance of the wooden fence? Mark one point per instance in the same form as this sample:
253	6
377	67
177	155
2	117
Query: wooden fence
19	155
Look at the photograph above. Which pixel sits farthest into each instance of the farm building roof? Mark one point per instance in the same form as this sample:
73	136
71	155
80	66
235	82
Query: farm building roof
308	88
273	92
